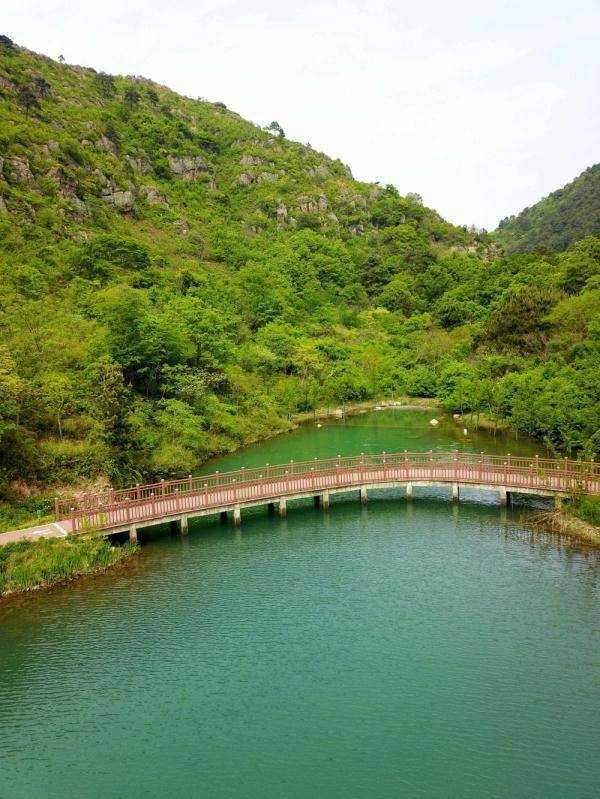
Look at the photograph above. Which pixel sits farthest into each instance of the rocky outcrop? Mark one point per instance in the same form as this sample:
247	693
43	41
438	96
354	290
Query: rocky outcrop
3	208
107	145
245	179
254	160
123	200
182	226
212	182
187	167
152	195
140	165
374	193
319	171
266	177
310	205
18	170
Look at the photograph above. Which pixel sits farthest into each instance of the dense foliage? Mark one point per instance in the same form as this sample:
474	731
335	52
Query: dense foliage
175	281
557	221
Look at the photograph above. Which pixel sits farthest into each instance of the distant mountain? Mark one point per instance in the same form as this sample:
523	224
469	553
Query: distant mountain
560	219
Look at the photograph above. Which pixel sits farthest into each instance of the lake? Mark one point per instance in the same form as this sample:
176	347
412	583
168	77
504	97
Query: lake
428	649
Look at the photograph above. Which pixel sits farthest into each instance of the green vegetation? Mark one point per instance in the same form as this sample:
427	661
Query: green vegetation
25	565
176	281
588	509
557	221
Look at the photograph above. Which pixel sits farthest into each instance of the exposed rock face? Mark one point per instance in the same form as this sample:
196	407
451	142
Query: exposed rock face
7	84
374	193
187	167
18	170
3	208
141	165
246	179
254	160
66	186
318	171
266	177
152	195
1	167
182	226
106	144
308	205
212	183
123	200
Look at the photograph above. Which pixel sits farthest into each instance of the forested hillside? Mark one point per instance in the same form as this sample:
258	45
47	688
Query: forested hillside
175	280
557	221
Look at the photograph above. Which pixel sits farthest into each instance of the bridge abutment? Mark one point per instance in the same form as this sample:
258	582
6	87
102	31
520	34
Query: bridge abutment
409	492
455	492
237	515
503	493
282	507
363	495
133	536
325	500
183	525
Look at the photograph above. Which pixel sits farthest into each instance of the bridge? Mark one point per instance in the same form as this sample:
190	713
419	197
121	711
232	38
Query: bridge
176	501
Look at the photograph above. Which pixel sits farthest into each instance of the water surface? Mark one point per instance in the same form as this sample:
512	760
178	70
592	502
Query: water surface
430	650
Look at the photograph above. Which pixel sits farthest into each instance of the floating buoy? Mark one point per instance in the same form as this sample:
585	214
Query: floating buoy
319	425
433	422
456	415
465	431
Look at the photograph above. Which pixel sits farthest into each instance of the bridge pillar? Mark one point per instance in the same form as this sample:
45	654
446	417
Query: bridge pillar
237	515
325	500
455	492
363	495
282	507
409	492
183	525
133	537
503	494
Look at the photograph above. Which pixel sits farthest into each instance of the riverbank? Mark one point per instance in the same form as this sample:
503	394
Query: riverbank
32	565
566	523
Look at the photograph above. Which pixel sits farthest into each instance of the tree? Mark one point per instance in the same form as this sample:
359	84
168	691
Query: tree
57	391
105	84
131	97
6	42
275	127
27	99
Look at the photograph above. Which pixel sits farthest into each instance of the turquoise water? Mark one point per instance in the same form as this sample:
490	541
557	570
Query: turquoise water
431	650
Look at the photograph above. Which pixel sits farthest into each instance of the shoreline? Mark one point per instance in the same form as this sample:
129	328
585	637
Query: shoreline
562	521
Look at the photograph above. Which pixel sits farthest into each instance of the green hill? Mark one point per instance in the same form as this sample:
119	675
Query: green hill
175	281
557	221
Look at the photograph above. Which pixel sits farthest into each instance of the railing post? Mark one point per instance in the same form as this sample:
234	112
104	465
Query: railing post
384	466
137	490
111	496
217	481
176	499
291	467
73	521
206	493
234	490
312	477
431	465
268	470
56	509
190	483
505	473
153	503
362	466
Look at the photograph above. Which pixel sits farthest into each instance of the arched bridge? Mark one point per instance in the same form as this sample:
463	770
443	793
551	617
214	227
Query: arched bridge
125	510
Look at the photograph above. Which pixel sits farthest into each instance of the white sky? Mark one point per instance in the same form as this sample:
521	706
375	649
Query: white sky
480	106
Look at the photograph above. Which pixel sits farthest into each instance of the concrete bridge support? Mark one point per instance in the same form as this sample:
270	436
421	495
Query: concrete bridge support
133	536
282	507
237	515
363	495
183	525
455	492
503	494
409	491
325	500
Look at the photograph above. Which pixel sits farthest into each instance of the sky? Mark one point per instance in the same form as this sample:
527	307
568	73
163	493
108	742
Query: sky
482	108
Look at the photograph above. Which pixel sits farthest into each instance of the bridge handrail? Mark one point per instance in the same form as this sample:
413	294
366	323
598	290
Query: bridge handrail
580	472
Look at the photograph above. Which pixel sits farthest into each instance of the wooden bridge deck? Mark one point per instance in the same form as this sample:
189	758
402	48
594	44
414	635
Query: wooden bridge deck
114	511
177	500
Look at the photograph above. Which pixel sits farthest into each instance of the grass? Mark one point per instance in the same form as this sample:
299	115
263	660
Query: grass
26	565
25	513
579	521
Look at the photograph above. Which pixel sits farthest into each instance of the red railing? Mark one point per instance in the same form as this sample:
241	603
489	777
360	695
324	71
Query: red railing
116	508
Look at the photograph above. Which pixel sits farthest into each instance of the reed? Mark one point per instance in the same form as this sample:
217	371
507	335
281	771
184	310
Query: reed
27	565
